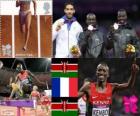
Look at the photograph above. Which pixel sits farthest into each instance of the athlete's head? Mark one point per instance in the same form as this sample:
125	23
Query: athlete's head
122	16
91	19
69	9
102	72
35	88
19	67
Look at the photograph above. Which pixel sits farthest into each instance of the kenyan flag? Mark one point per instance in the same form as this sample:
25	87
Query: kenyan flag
64	107
64	68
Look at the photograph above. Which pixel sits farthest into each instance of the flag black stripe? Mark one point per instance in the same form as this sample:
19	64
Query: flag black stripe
69	99
59	60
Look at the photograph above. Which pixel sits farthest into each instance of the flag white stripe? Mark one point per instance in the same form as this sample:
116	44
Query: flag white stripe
64	87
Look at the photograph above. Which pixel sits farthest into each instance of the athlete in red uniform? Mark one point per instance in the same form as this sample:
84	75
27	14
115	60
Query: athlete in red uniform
35	95
25	78
46	104
45	100
99	94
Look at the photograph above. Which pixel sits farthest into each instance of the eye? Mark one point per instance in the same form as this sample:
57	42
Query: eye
99	70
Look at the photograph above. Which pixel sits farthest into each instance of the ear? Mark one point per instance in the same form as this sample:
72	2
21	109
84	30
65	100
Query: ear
74	10
65	11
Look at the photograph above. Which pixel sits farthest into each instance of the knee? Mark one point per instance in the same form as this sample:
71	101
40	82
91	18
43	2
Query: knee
23	30
28	29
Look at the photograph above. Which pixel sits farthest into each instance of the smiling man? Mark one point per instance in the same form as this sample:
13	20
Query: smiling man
66	32
91	41
121	35
99	94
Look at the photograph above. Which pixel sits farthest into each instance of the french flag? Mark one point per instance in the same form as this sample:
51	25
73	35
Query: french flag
64	87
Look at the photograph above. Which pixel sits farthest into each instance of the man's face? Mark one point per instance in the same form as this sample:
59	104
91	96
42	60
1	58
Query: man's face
102	73
69	11
91	20
122	17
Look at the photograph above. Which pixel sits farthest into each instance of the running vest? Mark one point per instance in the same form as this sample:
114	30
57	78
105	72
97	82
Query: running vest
45	100
35	94
99	103
23	75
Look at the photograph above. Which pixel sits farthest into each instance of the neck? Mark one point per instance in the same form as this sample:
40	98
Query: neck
101	85
68	18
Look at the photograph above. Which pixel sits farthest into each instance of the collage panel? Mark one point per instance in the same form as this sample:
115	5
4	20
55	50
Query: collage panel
25	87
69	58
29	26
96	29
109	87
46	32
64	74
6	39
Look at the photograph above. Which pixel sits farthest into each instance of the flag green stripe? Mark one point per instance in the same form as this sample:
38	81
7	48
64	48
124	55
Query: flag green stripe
67	74
67	113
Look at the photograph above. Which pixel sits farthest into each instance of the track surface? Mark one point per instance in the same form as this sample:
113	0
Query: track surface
6	31
32	49
12	111
46	35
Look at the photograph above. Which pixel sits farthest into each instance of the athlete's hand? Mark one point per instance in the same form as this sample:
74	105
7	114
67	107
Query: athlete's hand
134	69
60	24
76	55
58	27
35	14
86	83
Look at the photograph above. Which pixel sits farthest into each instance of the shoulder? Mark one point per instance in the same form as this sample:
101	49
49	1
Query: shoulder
26	71
32	92
78	23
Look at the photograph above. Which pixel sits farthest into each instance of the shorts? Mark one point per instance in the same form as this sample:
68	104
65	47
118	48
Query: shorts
22	15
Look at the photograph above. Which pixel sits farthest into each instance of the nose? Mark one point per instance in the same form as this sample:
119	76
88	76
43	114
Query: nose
101	72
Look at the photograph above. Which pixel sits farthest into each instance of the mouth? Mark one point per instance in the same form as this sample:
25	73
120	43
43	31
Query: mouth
122	21
101	78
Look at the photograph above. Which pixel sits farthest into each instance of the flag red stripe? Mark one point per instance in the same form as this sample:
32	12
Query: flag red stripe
73	87
71	106
60	106
68	67
57	106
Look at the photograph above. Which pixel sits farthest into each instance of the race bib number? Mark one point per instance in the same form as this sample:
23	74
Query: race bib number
100	112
